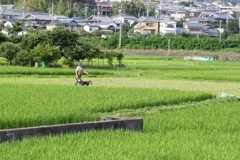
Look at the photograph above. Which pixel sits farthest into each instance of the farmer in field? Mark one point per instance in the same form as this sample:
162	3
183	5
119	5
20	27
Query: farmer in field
79	71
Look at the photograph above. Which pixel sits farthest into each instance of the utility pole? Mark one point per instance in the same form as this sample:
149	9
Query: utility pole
24	5
85	13
159	28
168	46
220	31
120	33
227	22
94	10
239	22
98	12
52	12
147	10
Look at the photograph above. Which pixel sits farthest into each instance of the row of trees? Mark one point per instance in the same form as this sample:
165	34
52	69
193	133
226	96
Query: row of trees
180	42
80	8
61	7
50	46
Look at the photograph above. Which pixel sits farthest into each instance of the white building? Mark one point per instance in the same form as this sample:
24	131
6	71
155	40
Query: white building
168	26
91	27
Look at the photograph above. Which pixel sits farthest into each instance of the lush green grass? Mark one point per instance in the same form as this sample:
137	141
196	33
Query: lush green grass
176	124
146	67
207	131
29	105
18	71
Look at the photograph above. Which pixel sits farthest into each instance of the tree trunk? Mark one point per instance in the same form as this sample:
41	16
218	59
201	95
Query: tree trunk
69	4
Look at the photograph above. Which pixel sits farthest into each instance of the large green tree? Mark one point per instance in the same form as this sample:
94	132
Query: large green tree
135	7
3	38
9	50
233	26
60	8
65	40
45	53
17	27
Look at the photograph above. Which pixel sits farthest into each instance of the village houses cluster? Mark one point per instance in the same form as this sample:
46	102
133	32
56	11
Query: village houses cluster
199	20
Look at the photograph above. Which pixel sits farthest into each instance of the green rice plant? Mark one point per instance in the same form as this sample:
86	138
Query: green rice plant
206	131
16	71
145	68
30	105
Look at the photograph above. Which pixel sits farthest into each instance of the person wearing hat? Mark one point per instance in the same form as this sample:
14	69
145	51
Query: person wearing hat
79	71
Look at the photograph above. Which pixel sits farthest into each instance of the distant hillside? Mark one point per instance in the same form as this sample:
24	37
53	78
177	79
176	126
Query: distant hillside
61	7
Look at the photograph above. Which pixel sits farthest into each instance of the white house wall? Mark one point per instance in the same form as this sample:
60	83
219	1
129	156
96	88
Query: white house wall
165	29
90	29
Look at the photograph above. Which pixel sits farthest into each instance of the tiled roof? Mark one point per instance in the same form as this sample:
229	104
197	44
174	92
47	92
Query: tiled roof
11	13
148	19
195	25
212	32
68	23
194	19
223	16
38	16
99	18
124	16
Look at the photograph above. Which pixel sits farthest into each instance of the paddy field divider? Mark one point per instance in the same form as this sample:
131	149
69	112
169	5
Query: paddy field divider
108	123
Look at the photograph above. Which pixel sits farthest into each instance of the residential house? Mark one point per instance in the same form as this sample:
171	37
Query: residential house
96	19
125	19
210	31
194	28
6	15
147	25
208	20
7	6
91	27
222	18
208	12
178	15
103	23
37	19
229	9
203	20
197	28
192	14
8	24
61	18
108	26
69	24
168	26
104	8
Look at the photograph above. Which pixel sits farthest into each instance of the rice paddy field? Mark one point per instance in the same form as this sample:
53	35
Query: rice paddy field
182	104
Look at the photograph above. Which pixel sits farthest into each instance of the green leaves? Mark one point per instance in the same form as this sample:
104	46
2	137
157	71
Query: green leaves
45	53
8	50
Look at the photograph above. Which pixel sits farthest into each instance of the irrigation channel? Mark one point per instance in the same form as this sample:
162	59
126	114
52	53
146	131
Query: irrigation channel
125	123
